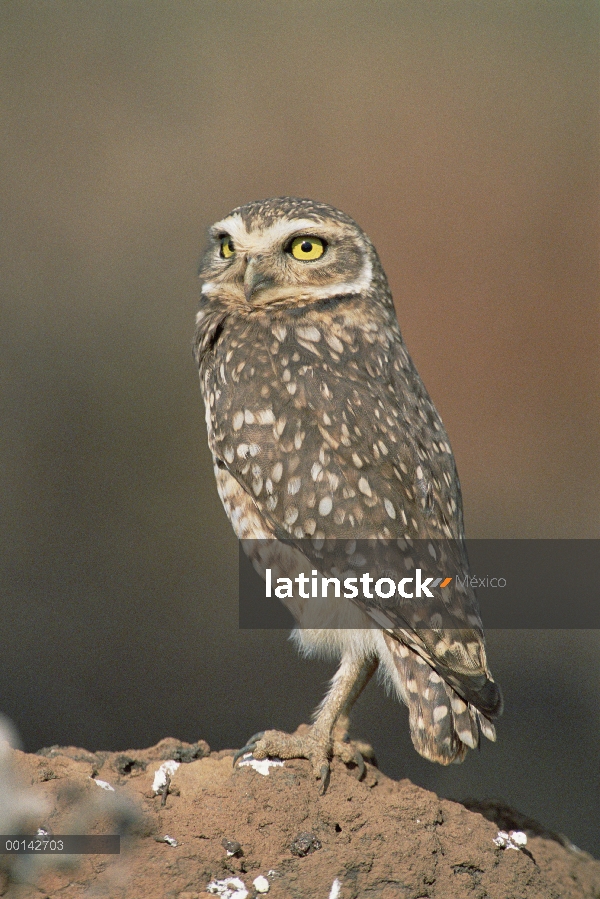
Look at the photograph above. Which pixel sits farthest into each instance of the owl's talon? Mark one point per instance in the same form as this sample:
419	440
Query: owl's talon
249	747
324	776
240	752
354	752
360	764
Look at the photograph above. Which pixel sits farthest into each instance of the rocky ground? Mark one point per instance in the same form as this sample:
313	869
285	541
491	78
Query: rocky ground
212	829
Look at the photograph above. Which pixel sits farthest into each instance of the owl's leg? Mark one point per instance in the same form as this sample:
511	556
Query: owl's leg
357	750
318	744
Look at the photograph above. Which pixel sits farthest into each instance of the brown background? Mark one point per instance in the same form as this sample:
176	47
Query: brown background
463	136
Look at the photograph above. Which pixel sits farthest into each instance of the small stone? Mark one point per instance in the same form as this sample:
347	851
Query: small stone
184	753
232	847
261	884
518	837
304	844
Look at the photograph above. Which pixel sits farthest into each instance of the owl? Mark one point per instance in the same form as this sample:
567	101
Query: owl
322	434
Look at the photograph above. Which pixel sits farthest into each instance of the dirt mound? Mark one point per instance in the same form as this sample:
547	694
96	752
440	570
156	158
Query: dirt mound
215	830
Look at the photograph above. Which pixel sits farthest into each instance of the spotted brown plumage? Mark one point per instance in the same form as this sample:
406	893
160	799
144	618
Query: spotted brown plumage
322	432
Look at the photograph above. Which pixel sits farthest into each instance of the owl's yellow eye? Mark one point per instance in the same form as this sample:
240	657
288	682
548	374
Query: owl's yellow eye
307	248
227	247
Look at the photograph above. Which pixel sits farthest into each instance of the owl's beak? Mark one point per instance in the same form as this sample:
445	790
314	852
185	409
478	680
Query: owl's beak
254	278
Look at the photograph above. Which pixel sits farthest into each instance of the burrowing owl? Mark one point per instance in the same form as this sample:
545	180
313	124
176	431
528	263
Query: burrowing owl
320	427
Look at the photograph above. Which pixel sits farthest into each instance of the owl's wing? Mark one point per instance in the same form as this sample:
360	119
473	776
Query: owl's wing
329	455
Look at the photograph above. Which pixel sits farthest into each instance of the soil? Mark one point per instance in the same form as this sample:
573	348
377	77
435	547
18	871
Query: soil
228	828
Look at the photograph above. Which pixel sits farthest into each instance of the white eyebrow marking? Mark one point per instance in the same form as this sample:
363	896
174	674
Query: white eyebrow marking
230	224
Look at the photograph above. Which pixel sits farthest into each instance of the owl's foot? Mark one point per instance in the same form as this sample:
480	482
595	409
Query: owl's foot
311	745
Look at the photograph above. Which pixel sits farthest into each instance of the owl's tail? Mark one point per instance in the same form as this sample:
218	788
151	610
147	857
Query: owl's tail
442	725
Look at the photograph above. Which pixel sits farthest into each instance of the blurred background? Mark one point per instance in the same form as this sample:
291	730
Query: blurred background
463	137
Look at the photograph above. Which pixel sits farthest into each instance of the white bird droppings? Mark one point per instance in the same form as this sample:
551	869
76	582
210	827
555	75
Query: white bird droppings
103	784
160	778
336	889
232	888
514	839
261	884
260	765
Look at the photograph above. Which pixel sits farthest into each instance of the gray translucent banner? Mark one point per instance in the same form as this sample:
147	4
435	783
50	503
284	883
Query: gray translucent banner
419	584
60	844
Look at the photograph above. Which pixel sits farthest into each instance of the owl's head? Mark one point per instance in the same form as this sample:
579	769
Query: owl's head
287	249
